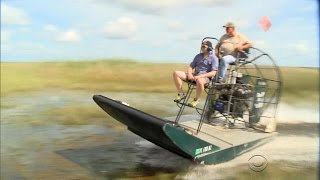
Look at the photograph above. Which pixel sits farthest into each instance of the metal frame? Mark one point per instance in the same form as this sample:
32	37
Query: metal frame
213	90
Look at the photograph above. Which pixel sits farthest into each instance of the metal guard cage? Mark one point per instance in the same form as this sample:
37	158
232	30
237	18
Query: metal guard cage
249	94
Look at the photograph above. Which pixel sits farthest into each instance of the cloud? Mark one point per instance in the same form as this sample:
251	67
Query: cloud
23	46
309	8
5	36
147	6
122	28
159	7
51	28
68	36
214	2
13	16
29	46
243	23
175	26
135	39
150	5
190	36
261	44
300	48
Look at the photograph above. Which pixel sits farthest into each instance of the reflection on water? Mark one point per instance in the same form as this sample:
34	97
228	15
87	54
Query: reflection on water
125	156
37	144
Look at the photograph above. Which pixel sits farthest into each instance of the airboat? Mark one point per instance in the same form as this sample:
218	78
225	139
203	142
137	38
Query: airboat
238	114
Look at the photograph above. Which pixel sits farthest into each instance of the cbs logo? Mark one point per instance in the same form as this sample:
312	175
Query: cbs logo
257	163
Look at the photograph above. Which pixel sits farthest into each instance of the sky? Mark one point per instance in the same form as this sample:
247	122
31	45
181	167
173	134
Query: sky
154	31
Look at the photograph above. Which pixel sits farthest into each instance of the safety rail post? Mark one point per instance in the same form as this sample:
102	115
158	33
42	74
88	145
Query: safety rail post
190	89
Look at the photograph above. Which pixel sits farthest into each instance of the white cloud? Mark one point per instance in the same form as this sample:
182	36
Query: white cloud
51	28
23	46
175	26
135	39
309	8
156	44
261	44
300	48
159	7
30	46
173	23
214	2
243	23
189	36
151	4
13	16
122	28
5	36
68	36
147	6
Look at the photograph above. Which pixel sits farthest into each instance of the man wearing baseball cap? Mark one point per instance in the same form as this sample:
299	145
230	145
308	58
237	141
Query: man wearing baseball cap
230	44
203	67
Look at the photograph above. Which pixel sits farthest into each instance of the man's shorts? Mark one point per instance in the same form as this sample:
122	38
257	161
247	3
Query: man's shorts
207	79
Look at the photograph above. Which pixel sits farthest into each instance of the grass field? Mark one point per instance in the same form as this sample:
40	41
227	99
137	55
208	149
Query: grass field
98	75
113	75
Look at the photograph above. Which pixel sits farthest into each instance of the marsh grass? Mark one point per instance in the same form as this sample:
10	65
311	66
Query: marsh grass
84	75
84	115
130	76
73	115
300	84
76	114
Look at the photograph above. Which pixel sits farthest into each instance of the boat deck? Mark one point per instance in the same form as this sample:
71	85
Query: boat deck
219	135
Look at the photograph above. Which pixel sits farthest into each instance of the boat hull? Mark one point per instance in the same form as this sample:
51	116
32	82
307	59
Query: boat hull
203	147
145	125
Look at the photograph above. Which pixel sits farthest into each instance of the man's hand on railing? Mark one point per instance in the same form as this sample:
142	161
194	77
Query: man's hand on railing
239	48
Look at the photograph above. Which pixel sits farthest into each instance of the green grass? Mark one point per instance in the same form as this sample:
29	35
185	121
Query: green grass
98	75
126	75
300	83
75	114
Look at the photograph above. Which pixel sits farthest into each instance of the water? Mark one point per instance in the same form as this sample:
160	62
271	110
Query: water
36	144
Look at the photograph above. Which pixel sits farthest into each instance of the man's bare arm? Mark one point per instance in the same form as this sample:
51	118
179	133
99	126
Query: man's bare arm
189	73
246	45
216	49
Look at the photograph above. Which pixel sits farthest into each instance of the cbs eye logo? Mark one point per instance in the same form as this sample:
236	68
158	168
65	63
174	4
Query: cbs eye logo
257	163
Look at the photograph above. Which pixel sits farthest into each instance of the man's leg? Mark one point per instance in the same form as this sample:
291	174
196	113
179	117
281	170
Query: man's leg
199	90
178	76
223	66
200	87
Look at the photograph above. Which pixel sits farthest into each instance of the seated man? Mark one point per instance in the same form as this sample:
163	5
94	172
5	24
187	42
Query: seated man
204	66
230	44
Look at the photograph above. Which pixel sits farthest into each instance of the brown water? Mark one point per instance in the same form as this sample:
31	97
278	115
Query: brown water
37	145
